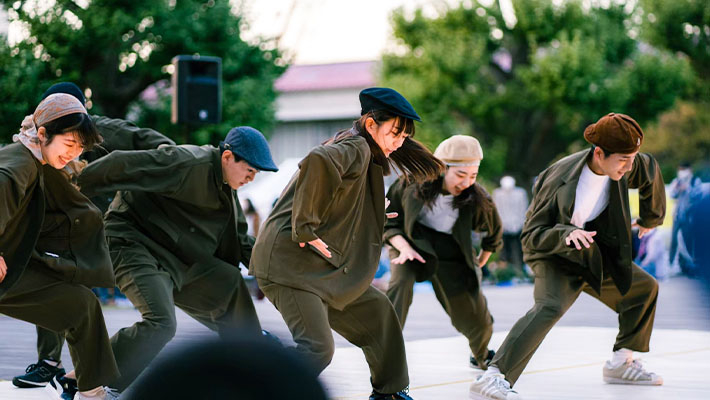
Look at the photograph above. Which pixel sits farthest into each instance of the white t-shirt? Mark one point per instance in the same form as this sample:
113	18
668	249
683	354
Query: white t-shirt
591	197
441	216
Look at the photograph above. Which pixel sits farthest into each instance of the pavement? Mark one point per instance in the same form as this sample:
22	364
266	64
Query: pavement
437	354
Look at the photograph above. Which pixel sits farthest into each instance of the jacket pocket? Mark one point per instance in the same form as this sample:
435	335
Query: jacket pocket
336	256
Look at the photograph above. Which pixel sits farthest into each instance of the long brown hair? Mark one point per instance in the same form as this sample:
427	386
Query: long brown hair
413	159
474	195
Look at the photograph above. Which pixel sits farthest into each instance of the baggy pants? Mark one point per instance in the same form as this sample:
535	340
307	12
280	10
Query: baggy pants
214	293
369	322
46	300
456	287
555	291
49	344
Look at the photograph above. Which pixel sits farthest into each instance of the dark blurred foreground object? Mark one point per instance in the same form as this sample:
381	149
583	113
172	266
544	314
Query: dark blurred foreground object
244	369
197	90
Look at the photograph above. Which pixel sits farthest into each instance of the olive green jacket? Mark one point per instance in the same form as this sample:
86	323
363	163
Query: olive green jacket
119	134
548	218
36	199
338	196
174	197
405	202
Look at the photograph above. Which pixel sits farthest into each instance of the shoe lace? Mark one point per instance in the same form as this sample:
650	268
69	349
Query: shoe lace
637	365
31	367
111	393
499	382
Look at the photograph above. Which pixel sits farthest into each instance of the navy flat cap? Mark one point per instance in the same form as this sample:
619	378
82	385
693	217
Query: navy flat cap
66	88
386	99
251	146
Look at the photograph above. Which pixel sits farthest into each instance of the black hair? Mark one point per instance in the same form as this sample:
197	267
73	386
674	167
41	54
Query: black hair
413	159
606	152
79	123
474	195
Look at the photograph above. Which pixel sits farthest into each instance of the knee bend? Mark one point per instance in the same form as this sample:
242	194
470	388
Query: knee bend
550	311
322	355
162	329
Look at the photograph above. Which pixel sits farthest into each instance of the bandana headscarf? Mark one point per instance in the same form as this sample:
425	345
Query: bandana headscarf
53	107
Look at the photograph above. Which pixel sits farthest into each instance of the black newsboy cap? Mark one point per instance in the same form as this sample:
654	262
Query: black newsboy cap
66	88
376	98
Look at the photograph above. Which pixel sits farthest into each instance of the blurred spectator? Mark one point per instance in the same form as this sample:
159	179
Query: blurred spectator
652	254
681	189
512	202
698	229
252	216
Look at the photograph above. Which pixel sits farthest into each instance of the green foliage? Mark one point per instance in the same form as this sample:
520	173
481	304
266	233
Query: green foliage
528	90
20	74
681	26
120	48
681	134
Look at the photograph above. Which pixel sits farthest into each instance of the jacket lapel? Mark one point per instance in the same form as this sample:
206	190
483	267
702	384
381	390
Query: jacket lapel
568	191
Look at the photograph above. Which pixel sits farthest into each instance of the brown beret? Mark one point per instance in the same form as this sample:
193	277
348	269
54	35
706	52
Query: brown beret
616	133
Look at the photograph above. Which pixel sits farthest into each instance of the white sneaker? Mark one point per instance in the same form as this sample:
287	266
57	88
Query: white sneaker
108	394
630	373
55	389
492	387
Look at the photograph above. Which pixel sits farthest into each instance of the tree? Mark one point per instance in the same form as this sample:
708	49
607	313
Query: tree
20	77
681	26
681	134
528	88
118	48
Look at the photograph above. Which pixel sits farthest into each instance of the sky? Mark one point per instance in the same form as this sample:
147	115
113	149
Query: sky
327	31
324	31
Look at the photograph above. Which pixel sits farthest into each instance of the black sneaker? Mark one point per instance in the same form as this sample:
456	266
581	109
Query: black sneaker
37	375
474	364
401	395
61	388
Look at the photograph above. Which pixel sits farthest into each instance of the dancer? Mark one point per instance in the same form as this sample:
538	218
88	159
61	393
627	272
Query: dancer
431	240
577	237
318	251
117	134
52	241
177	235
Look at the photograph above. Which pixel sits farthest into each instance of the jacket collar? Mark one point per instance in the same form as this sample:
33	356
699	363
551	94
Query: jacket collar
217	165
578	161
